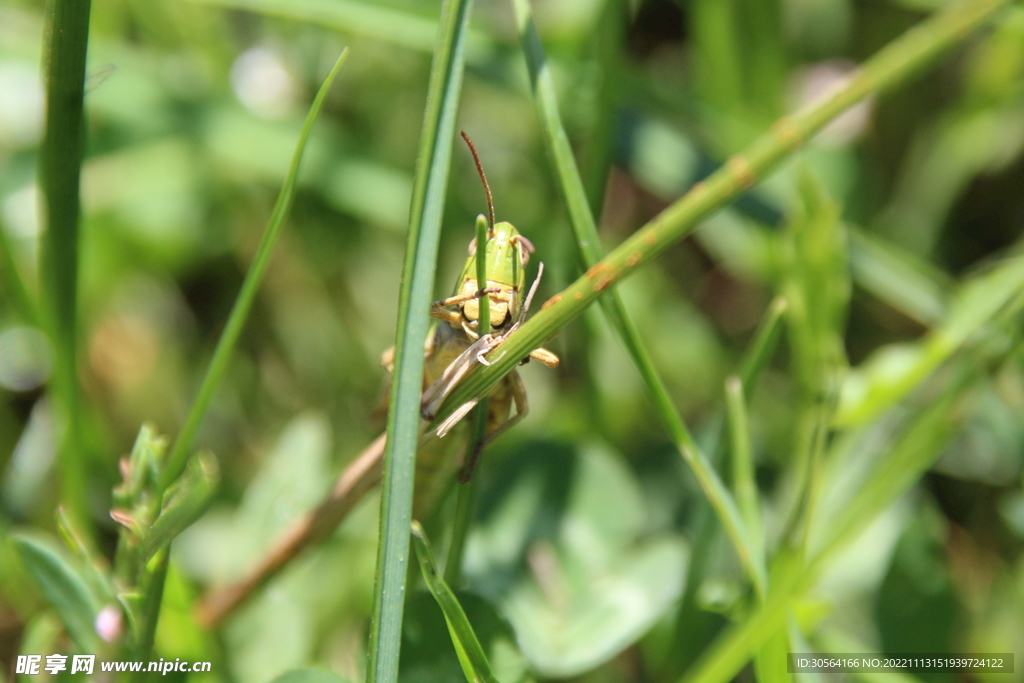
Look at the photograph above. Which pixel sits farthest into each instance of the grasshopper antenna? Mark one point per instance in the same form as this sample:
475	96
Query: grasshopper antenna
483	178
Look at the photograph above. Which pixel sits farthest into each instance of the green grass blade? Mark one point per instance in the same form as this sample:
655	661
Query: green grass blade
743	482
178	458
816	283
484	317
403	424
897	277
920	444
466	497
585	230
891	65
751	365
569	182
378	21
757	355
923	440
14	284
467	646
60	162
730	652
977	303
608	42
243	304
191	495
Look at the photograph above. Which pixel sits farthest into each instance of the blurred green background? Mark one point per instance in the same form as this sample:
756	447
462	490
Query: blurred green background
588	517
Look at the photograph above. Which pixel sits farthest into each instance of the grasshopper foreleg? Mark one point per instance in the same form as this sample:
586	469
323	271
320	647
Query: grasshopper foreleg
464	297
437	392
455	417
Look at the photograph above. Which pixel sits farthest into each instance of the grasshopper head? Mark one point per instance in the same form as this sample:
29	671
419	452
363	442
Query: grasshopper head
507	255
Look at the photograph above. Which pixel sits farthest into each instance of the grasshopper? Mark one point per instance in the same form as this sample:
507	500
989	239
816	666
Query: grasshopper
454	344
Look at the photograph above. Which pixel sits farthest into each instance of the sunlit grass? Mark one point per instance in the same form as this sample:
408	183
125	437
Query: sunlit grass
834	360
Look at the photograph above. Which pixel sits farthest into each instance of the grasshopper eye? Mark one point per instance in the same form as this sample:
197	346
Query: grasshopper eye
526	244
525	249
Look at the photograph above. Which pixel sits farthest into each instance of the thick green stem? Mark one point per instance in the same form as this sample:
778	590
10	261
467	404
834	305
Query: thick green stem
150	612
744	485
60	161
404	422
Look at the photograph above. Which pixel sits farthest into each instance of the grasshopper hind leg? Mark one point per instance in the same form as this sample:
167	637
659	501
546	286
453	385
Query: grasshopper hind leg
518	393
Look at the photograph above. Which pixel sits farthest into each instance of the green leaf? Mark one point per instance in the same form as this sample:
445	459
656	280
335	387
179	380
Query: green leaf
918	604
770	660
600	615
471	656
144	465
95	570
188	500
594	582
63	586
295	473
273	634
917	448
309	676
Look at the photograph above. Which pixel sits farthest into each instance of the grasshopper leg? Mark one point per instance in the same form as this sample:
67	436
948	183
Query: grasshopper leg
452	375
518	390
463	298
456	417
451	317
544	356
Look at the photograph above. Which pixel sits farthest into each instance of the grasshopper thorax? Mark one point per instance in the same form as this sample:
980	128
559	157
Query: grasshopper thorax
507	253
